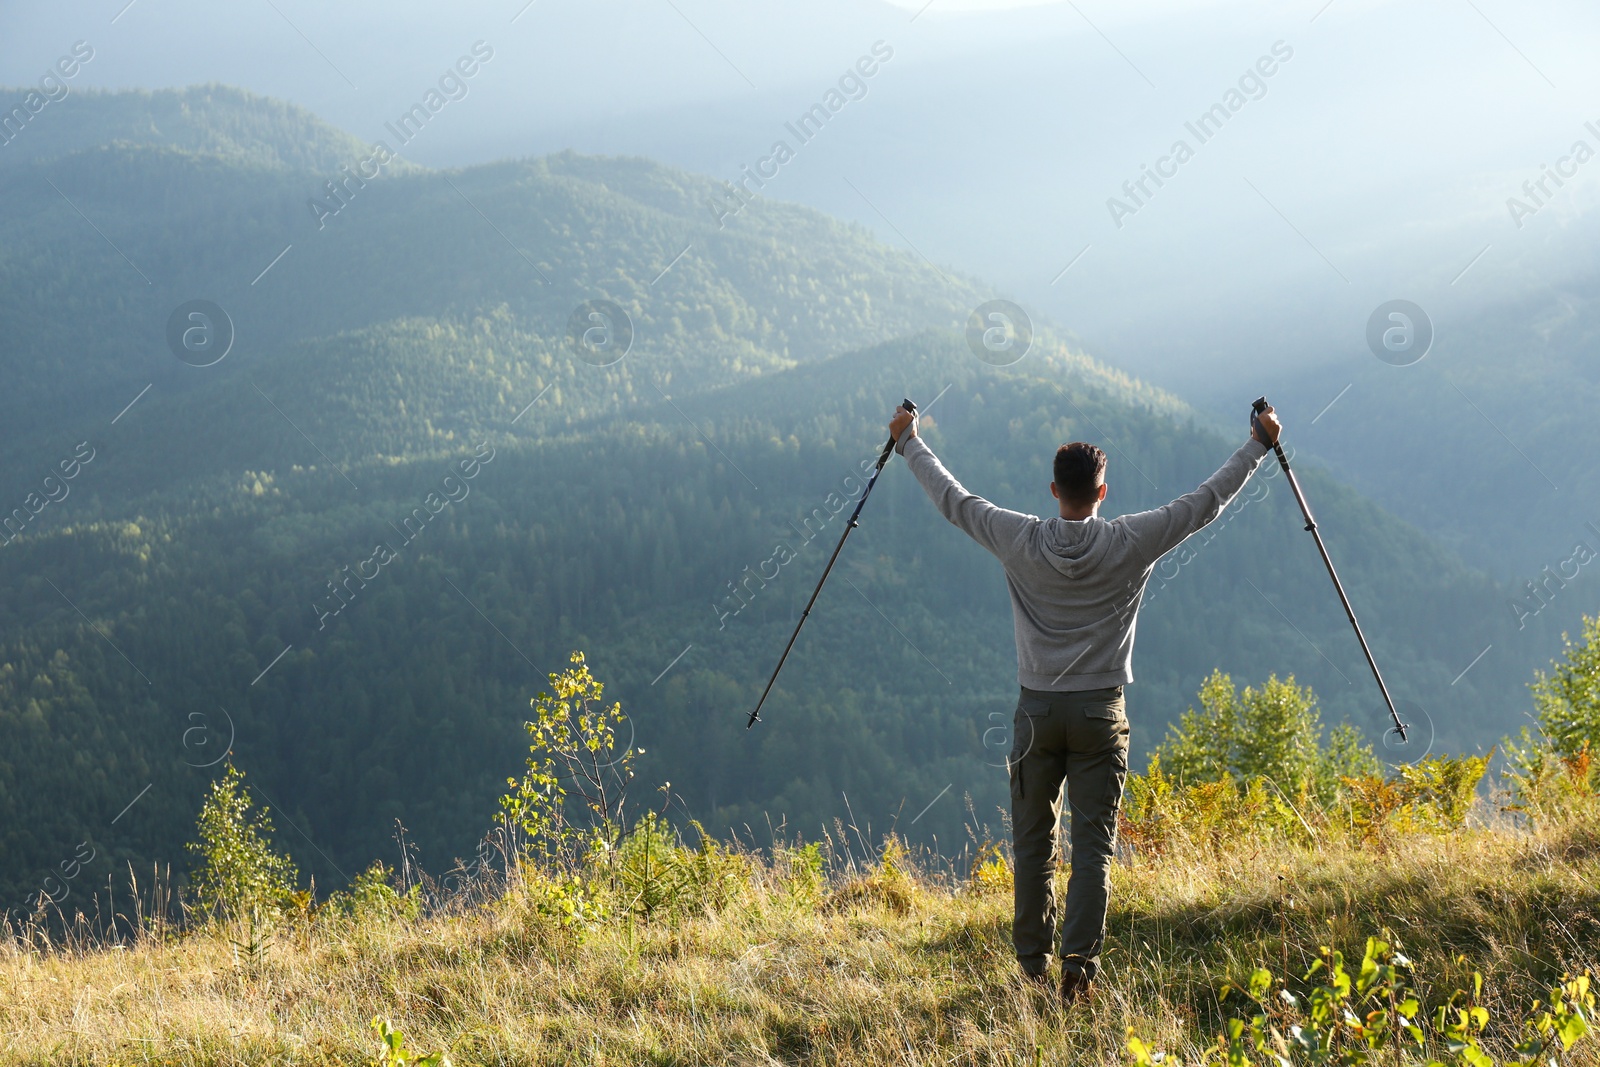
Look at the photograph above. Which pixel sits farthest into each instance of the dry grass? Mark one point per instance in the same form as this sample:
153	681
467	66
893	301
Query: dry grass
923	975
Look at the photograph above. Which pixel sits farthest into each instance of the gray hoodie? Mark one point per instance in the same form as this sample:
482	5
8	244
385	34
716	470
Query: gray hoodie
1076	584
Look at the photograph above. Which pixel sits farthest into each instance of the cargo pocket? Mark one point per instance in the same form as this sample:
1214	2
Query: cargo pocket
1024	734
1117	780
1115	708
1021	742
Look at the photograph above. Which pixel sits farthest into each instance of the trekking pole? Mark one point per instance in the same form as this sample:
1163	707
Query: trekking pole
1311	525
755	716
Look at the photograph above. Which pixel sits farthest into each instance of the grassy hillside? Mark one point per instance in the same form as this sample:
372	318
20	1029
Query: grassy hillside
831	954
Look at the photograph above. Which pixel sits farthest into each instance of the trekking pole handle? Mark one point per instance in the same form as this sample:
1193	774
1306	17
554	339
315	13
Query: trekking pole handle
1256	409
889	447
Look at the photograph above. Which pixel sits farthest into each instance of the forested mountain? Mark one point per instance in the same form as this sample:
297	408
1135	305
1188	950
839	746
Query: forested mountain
148	226
214	120
354	547
1506	399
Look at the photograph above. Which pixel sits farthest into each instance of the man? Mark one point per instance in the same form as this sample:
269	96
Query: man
1075	581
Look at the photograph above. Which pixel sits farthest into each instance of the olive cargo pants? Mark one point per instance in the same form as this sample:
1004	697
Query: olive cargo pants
1078	739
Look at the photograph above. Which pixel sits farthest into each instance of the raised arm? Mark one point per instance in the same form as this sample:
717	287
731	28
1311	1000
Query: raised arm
1001	531
1155	533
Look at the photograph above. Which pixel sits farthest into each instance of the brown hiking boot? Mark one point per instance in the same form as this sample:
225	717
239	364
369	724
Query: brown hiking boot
1036	980
1074	986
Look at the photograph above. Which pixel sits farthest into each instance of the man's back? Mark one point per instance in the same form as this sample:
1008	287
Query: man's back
1076	584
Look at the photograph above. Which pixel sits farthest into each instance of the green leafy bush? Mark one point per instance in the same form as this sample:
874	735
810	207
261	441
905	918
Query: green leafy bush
802	870
1432	795
1568	698
573	751
392	1051
373	896
569	811
1256	763
238	873
1553	773
656	873
1545	784
991	871
1274	732
1376	1015
1160	812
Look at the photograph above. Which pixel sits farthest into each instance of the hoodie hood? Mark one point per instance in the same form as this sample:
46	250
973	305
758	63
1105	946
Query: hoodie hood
1076	547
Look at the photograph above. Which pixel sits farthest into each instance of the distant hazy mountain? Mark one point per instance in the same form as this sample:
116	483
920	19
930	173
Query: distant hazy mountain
1489	442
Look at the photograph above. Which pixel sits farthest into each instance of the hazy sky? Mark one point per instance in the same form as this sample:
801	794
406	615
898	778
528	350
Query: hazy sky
1374	163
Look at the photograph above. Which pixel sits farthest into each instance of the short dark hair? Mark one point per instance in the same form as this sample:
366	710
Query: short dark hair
1080	471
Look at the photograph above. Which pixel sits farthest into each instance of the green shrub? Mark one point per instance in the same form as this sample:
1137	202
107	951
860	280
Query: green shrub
1376	1015
1568	699
1255	764
1441	789
1432	795
1553	773
991	871
392	1051
657	874
1545	784
372	896
1274	732
564	898
803	871
573	750
238	873
1160	812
